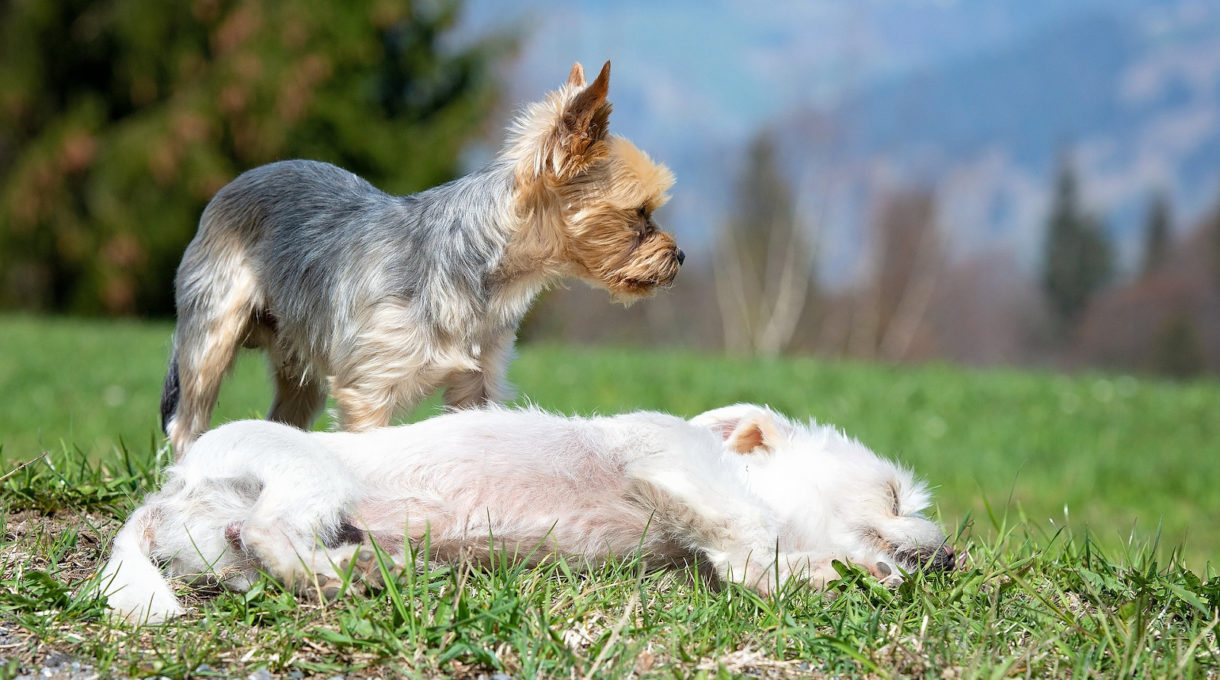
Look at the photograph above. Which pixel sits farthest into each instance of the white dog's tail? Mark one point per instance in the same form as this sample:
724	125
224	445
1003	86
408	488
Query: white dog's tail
133	585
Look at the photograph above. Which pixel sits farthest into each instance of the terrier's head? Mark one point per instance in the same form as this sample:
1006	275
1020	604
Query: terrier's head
589	196
830	492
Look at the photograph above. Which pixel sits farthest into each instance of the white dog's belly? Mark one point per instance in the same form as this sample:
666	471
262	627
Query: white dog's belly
524	519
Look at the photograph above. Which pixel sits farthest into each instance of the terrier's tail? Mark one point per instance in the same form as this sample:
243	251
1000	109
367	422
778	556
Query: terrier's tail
133	585
170	390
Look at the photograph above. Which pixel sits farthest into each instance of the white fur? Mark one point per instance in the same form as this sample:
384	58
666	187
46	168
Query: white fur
538	485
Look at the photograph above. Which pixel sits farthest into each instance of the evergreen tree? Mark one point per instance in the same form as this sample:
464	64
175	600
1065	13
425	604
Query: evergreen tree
1211	231
1077	259
120	118
1178	349
1156	234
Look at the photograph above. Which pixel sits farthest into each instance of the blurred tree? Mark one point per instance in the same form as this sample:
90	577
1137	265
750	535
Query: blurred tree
1177	349
1156	233
764	258
1077	260
120	118
906	259
1211	235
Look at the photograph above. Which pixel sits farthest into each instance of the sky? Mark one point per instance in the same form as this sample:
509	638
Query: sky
742	63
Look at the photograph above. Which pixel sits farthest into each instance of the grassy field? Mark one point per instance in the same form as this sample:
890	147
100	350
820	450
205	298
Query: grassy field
1086	506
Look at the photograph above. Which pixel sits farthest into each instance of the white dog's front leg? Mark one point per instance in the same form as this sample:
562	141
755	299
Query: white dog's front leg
815	569
712	515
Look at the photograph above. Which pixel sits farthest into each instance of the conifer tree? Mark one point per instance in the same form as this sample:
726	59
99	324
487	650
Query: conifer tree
1077	258
1156	234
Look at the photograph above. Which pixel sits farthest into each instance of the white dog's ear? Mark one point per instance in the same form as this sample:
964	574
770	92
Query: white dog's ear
756	433
744	428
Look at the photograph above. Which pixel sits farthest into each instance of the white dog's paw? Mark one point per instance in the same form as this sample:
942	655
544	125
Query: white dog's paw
818	572
146	607
359	563
766	579
889	576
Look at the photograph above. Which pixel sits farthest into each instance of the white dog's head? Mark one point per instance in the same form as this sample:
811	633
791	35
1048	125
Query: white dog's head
830	492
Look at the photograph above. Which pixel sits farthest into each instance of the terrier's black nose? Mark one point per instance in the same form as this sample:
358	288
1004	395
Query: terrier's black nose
681	256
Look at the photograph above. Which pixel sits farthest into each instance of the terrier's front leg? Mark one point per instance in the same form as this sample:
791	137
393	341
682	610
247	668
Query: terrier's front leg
365	403
487	385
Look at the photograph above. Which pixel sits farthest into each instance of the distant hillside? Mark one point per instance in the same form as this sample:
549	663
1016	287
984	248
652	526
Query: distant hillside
1137	109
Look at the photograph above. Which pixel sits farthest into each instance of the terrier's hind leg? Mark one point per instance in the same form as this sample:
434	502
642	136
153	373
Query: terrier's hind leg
216	301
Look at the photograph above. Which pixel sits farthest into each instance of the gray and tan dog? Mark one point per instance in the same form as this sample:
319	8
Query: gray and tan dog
389	298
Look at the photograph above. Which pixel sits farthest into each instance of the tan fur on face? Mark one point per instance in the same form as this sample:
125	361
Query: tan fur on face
611	238
589	195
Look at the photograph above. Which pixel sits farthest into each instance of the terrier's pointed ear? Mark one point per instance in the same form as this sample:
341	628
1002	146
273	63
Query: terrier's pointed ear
592	98
582	127
576	77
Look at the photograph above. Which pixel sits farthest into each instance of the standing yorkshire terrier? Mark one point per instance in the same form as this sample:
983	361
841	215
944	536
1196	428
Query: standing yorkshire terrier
389	298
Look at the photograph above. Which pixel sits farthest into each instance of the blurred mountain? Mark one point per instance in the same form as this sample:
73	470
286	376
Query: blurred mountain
1134	103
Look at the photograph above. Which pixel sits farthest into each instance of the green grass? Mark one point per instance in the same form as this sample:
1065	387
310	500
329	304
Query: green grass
1086	506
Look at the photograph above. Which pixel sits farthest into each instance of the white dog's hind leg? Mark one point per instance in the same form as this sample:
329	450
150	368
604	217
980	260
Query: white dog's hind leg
288	527
301	492
289	545
133	585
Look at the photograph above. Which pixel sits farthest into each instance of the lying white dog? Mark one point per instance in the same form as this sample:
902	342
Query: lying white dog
741	489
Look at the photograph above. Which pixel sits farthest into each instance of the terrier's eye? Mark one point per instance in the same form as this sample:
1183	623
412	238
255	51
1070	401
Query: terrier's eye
642	212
